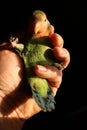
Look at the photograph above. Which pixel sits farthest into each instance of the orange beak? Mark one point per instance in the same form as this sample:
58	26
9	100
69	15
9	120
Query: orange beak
36	28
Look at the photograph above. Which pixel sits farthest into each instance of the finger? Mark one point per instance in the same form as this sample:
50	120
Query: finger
4	46
63	55
51	73
57	40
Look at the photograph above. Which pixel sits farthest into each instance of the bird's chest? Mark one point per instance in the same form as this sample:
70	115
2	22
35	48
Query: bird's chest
36	52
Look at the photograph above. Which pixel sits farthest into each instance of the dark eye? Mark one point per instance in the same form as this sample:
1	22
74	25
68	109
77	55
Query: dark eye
45	20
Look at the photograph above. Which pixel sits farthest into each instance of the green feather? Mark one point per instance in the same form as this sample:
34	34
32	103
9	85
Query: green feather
38	51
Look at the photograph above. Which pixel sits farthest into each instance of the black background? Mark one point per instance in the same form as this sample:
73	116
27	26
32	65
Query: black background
69	20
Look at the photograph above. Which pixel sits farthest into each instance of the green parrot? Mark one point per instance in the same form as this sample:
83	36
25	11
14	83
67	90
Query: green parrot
37	50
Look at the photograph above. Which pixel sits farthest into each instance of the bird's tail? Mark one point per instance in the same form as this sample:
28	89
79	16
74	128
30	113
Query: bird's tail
48	103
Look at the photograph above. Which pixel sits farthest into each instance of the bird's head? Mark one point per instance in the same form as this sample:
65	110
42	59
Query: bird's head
39	24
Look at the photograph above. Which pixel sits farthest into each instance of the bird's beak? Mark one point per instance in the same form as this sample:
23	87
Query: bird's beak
36	28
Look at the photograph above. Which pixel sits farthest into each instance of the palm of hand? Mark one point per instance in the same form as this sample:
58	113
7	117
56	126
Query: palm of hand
15	102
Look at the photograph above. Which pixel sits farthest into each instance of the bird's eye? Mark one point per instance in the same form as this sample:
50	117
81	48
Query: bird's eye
45	20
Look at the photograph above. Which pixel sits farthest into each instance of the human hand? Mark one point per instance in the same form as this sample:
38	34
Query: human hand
16	105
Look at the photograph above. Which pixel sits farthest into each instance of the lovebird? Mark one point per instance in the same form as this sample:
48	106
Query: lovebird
37	50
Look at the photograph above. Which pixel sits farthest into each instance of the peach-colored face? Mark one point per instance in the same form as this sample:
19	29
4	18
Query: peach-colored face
39	25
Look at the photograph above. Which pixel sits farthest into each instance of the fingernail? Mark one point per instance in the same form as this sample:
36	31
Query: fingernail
42	68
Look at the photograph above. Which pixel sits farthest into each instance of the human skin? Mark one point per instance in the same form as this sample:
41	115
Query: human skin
16	105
